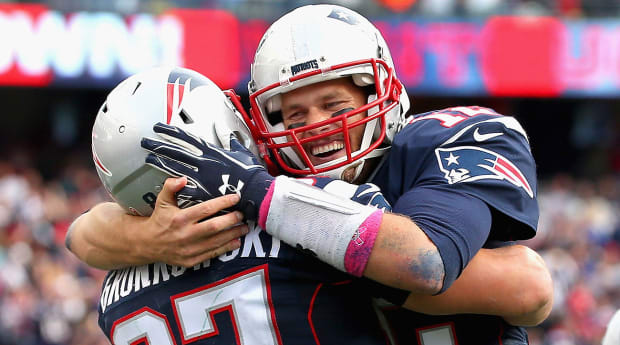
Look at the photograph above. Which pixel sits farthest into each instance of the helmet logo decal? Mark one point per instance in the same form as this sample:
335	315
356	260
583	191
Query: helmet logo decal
182	76
174	99
178	80
344	16
312	64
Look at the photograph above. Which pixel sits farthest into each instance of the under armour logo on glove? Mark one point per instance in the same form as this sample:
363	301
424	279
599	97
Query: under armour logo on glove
180	153
227	187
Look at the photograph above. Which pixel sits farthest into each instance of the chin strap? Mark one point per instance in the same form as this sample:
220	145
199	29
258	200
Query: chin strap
357	165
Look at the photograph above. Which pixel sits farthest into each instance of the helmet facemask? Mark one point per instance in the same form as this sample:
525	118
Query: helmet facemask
286	145
314	44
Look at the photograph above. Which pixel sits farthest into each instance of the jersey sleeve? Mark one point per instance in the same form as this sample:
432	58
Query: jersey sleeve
457	223
465	175
484	154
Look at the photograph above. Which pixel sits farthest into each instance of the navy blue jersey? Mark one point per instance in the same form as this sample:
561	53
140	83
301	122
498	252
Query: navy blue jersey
263	293
408	328
466	177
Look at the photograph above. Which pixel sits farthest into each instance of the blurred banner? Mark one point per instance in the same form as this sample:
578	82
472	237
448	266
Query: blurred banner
501	56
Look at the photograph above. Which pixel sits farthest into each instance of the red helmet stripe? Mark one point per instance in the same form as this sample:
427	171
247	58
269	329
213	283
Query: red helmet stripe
98	162
170	105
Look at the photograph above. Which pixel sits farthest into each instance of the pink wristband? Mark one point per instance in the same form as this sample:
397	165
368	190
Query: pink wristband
360	247
264	206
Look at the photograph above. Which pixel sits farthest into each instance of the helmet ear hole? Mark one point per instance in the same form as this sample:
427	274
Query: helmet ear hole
243	139
185	117
136	88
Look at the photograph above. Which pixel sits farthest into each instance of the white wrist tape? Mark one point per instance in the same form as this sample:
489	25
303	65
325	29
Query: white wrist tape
326	224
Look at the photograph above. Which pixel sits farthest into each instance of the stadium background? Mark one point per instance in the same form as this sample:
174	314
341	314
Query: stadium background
553	64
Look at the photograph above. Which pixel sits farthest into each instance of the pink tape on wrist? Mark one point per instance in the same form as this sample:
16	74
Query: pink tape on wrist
358	250
263	211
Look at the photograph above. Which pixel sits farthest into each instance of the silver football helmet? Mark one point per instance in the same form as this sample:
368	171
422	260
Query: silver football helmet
172	95
317	43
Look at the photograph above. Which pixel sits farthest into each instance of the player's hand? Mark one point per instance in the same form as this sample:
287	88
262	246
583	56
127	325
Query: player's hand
179	237
365	194
211	171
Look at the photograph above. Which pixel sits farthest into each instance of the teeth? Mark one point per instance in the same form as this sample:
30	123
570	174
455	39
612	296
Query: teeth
317	150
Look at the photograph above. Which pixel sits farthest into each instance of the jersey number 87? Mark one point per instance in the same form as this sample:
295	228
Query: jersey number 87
245	296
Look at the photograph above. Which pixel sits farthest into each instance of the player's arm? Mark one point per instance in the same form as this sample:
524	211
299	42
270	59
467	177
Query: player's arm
305	216
403	257
512	282
106	237
355	238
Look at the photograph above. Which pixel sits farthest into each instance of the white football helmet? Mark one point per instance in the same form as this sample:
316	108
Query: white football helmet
172	95
312	44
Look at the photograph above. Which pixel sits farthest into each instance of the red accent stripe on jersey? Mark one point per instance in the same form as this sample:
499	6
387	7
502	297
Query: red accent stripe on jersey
270	301
144	341
516	173
316	292
264	268
170	106
145	310
499	168
216	331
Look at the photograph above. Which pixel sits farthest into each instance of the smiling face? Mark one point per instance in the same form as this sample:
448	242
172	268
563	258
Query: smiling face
319	102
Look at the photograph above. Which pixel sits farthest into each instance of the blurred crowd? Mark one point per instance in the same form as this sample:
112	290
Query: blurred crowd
579	239
47	297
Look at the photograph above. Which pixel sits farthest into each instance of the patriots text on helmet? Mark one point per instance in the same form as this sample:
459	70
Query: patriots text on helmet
312	64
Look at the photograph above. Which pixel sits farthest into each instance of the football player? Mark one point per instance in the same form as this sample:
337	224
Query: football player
328	103
325	100
249	295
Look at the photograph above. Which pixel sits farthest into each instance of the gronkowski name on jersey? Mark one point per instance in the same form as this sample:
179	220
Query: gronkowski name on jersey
265	292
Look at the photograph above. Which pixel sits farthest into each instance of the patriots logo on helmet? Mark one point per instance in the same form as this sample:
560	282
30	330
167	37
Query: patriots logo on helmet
179	82
181	76
344	16
470	163
174	99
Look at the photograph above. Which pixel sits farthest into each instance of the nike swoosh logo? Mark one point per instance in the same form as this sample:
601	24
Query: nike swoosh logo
482	137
